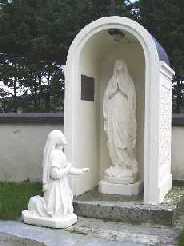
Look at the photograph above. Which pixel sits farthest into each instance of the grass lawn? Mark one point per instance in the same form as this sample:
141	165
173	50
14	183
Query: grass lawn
14	198
181	240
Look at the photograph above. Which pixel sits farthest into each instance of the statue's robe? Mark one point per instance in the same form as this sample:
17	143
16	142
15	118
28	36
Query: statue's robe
119	109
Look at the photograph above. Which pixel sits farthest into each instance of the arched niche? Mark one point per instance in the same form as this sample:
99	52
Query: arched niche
92	54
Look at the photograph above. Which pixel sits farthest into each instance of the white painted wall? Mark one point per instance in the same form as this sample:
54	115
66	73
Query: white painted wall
85	123
21	148
177	153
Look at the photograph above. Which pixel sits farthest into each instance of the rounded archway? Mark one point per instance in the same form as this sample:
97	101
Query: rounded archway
92	54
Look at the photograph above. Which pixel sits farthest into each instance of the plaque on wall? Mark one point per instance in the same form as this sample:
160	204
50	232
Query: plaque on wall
87	88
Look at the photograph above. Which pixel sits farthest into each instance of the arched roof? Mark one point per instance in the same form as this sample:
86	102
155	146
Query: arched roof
163	56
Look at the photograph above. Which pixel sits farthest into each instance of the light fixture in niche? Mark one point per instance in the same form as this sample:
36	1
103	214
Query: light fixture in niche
116	34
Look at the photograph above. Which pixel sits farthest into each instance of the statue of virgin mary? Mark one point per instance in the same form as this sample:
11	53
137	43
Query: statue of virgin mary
119	111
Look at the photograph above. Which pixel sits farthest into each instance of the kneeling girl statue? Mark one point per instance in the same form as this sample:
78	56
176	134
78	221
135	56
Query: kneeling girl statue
55	208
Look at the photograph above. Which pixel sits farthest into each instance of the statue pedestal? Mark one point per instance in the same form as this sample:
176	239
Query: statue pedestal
120	189
59	222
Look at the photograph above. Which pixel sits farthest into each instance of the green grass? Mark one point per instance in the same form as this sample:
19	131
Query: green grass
181	239
14	198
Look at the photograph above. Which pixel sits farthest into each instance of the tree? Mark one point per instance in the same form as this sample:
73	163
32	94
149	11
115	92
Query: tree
39	33
165	21
3	95
178	94
44	29
11	73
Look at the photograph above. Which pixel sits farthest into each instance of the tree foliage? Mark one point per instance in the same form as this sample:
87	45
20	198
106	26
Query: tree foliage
165	21
44	29
36	35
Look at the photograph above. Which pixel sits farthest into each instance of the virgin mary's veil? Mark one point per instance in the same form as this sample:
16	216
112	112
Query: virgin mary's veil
120	75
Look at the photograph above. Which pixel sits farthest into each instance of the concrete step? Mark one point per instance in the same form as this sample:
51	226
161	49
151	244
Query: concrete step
92	204
18	234
144	234
88	232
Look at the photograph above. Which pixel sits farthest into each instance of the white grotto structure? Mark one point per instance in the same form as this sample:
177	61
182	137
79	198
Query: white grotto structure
89	67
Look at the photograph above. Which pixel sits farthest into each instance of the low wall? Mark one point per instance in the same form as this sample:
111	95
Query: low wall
178	152
21	148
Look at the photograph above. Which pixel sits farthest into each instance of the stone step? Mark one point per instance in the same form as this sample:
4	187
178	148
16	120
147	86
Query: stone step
133	234
88	232
127	210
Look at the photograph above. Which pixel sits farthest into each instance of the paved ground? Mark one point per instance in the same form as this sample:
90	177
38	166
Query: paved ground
87	232
52	237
